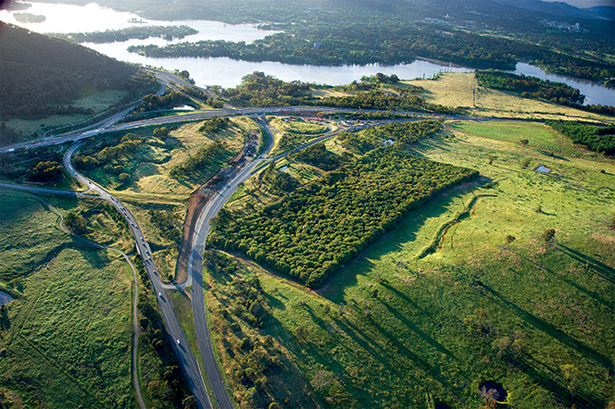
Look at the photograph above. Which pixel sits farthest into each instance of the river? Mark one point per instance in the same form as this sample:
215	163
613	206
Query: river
227	72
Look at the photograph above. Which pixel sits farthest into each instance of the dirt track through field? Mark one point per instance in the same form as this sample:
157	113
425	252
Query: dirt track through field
196	203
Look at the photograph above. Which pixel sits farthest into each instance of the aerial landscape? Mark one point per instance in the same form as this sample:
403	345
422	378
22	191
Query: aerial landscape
327	204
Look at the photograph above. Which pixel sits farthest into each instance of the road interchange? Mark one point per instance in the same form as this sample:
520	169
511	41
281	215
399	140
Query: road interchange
186	359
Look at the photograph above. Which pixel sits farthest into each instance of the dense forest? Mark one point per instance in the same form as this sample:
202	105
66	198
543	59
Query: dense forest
258	89
41	76
531	87
125	34
596	138
310	233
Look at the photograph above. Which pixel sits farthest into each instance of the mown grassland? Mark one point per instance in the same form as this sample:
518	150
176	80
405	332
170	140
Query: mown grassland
66	338
392	330
462	90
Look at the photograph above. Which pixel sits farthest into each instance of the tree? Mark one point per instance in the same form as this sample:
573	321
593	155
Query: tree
161	132
46	171
547	235
190	402
124	178
510	238
570	374
76	223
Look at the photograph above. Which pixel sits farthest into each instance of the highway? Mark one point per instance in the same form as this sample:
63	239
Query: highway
180	343
108	125
195	270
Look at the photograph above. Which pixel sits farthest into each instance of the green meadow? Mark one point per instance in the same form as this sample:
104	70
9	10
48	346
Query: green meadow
65	340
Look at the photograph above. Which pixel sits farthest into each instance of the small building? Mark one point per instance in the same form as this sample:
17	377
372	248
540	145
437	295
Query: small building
542	169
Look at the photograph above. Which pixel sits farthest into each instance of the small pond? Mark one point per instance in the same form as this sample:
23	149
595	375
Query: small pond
494	391
5	298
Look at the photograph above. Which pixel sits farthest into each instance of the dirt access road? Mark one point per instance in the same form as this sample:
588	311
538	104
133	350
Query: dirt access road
199	199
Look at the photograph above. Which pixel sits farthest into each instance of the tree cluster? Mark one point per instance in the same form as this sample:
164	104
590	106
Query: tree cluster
258	89
125	34
399	132
596	138
316	229
206	158
318	156
46	171
166	222
169	100
379	99
215	124
531	87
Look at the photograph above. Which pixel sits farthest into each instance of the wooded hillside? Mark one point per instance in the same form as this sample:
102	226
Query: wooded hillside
42	76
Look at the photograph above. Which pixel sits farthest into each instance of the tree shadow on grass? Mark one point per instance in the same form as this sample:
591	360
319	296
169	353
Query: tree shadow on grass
603	270
414	328
418	362
571	283
403	297
546	377
551	330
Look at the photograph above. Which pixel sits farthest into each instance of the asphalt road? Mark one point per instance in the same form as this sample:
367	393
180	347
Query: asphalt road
186	358
108	125
195	270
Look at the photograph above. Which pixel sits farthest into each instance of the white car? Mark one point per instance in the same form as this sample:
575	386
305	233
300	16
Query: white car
178	342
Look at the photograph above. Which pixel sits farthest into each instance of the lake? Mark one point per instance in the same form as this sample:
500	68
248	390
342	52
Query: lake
226	72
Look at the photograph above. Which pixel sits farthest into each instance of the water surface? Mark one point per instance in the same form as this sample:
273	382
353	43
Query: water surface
5	298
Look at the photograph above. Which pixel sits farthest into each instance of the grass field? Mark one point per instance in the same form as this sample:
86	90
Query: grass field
538	136
290	133
97	102
462	90
534	317
150	165
66	338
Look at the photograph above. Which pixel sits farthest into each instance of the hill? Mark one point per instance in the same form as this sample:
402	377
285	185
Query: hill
42	76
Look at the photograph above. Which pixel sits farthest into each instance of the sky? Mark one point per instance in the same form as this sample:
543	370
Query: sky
586	3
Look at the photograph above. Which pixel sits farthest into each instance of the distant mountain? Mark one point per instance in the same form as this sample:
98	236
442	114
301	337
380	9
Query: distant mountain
41	76
561	9
602	12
